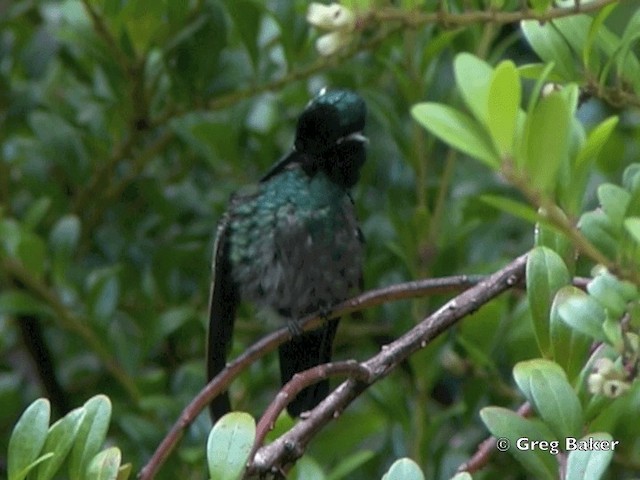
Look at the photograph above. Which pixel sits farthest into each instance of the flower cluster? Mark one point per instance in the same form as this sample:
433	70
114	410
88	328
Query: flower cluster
607	379
338	20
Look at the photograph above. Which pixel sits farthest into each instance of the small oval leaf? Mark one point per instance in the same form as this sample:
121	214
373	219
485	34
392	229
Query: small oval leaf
580	311
105	465
229	445
404	469
545	385
457	129
90	436
546	274
27	439
507	425
589	463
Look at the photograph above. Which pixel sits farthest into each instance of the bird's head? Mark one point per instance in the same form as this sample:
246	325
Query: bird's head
329	136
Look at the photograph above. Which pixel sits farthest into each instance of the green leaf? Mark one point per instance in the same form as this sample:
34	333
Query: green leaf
547	141
580	311
59	441
473	78
548	235
613	333
64	235
350	464
596	139
544	383
512	207
630	178
124	472
19	302
589	463
540	6
229	445
246	16
143	21
628	290
28	438
307	468
456	129
105	465
90	436
195	49
505	424
10	234
597	227
534	71
606	289
104	292
32	253
628	64
550	47
174	318
632	225
614	201
504	104
546	274
569	347
462	476
36	213
594	28
404	469
61	143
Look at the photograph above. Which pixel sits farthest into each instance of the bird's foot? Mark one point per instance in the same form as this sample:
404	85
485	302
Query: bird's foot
325	311
294	327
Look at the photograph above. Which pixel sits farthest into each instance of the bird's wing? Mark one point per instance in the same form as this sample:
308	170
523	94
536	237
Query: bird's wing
222	309
280	165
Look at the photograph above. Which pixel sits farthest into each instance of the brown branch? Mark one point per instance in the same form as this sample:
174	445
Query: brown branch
414	19
271	341
511	276
290	446
403	18
299	382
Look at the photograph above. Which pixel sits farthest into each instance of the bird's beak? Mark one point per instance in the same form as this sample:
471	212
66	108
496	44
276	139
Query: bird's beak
357	136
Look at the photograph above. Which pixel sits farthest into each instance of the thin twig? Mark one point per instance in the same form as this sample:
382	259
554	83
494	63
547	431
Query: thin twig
415	19
299	382
290	446
271	341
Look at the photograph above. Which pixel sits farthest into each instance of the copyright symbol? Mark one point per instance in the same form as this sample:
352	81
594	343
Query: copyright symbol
503	444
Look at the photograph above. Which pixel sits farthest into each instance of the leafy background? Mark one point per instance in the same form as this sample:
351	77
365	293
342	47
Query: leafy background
124	127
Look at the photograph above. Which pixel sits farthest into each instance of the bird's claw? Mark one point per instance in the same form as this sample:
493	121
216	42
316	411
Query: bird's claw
294	328
324	311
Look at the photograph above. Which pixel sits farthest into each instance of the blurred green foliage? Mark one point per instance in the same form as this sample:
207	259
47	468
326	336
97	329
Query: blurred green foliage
126	124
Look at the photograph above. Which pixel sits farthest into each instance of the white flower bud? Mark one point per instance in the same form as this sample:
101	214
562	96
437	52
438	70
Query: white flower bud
595	382
330	43
604	366
615	388
331	17
550	88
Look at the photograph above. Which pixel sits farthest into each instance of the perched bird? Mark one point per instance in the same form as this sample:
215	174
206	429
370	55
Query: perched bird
291	244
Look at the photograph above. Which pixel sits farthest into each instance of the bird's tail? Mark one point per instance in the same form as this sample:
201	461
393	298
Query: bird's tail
302	352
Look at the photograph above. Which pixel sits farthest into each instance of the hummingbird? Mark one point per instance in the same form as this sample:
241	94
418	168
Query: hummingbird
291	245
